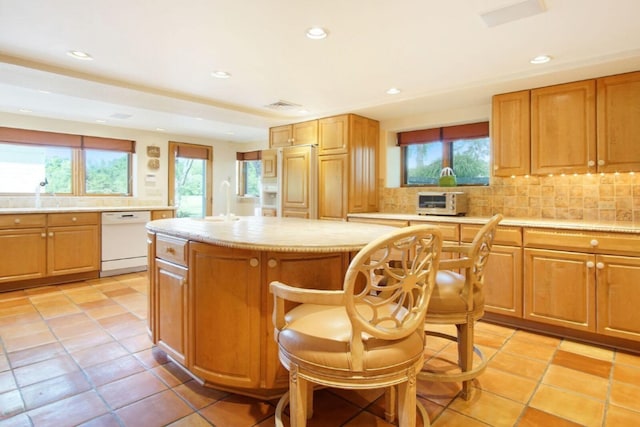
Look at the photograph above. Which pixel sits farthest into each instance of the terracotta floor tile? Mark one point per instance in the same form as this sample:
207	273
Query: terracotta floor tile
582	363
625	395
130	389
57	388
78	328
90	305
627	358
84	295
11	295
13	307
122	331
530	349
31	315
35	354
7	382
70	411
16	331
119	292
519	365
55	310
240	411
105	311
626	373
10	404
531	337
106	420
119	320
439	392
451	418
157	410
577	381
533	417
99	354
507	385
568	405
486	339
80	342
197	395
193	420
592	351
4	362
361	398
152	357
113	370
20	420
45	370
171	374
366	419
137	343
617	416
65	321
489	408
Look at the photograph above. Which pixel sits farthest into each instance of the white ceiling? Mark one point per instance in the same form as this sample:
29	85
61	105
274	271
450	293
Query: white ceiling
153	58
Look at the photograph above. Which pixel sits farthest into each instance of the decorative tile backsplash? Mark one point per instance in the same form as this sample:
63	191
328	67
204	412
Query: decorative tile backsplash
592	197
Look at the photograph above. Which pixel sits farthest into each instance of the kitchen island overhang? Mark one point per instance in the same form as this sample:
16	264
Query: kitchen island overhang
209	303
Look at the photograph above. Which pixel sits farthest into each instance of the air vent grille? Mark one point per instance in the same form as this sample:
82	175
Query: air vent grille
283	105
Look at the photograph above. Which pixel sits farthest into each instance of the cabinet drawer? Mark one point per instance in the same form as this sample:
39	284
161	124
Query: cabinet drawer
161	214
450	232
171	249
389	222
509	236
580	241
23	221
73	218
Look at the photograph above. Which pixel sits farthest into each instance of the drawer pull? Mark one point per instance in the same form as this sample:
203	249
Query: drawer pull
16	221
272	263
591	163
253	262
590	264
51	234
600	265
170	250
594	243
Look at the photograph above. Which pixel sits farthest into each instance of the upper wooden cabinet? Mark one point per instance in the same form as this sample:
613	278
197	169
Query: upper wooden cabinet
563	128
510	134
618	105
333	135
305	133
269	163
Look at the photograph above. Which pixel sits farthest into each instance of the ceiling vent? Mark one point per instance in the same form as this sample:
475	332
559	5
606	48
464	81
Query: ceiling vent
513	12
121	116
283	106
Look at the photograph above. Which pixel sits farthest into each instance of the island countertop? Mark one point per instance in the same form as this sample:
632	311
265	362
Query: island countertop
272	233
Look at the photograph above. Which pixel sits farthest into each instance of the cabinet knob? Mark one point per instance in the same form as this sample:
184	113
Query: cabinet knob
74	219
590	264
43	235
170	250
51	234
272	263
16	221
600	265
253	262
594	243
600	162
591	163
164	215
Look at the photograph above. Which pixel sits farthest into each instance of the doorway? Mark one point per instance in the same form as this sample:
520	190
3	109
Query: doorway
190	179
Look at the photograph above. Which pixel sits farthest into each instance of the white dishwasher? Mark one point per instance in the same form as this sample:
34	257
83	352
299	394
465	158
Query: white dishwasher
124	242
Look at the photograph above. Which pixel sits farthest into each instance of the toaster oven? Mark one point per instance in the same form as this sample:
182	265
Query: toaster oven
442	203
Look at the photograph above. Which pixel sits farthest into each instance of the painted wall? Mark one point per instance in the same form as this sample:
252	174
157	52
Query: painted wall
150	186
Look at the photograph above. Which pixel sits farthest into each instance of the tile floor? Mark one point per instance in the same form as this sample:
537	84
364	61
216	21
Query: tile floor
78	354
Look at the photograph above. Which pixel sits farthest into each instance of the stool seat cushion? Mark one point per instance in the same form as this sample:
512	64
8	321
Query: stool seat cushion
447	296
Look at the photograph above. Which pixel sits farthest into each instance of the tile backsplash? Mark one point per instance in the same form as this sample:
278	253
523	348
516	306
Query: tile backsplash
592	197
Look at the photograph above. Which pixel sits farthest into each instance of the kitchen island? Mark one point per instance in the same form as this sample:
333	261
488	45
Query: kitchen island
210	306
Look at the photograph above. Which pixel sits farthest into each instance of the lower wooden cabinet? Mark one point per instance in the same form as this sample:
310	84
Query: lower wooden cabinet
503	281
23	254
170	293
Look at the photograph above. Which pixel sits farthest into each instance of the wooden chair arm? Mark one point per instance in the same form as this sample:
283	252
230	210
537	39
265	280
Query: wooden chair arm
460	249
454	264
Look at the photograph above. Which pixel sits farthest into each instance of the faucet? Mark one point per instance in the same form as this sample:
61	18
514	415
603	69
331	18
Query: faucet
39	188
227	184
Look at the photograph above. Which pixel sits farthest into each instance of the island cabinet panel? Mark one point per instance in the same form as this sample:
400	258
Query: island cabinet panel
170	294
311	271
224	315
563	128
618	284
560	288
618	104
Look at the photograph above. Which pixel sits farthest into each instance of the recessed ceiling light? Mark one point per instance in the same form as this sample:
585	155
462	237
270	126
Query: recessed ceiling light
541	59
160	129
100	121
24	110
393	91
77	54
218	74
303	111
230	132
317	33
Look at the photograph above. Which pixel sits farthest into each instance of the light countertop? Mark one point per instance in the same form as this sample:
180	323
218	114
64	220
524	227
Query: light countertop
273	233
605	226
83	209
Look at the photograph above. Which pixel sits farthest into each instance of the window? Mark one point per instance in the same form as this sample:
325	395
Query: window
464	148
249	173
66	164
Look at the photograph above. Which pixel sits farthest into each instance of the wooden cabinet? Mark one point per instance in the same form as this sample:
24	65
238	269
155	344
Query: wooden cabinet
170	291
348	147
269	163
304	133
298	174
510	133
162	214
563	128
618	107
41	246
23	247
503	271
224	321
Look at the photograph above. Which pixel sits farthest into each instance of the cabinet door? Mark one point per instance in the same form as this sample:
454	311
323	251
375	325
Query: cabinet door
559	288
23	254
333	135
296	166
618	296
363	147
332	186
618	124
171	292
563	128
510	133
322	271
280	136
151	290
269	163
305	133
503	281
224	320
74	249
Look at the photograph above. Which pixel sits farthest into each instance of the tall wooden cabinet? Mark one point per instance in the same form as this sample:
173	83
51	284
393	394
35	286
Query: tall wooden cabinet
298	182
347	166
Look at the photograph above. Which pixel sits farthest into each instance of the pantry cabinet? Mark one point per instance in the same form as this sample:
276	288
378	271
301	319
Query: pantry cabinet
563	128
510	134
618	107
